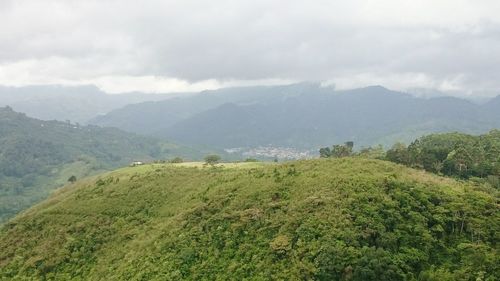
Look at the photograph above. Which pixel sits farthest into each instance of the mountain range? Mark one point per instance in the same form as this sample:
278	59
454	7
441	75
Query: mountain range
74	103
305	115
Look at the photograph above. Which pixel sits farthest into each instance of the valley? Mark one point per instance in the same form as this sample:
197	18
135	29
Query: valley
36	156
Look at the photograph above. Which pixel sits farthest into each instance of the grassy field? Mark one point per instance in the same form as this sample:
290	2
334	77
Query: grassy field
37	157
233	165
325	219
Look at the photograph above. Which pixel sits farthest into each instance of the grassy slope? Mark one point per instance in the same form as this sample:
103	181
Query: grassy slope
37	156
323	219
42	187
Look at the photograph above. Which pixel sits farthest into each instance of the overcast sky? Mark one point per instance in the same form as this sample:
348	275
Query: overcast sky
184	45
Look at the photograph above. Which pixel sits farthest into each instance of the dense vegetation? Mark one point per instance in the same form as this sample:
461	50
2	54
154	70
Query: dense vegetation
37	156
326	219
453	154
302	116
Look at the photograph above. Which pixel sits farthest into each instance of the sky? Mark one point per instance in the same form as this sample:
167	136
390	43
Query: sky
173	46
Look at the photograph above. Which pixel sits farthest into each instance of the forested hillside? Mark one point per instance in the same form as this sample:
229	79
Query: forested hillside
453	154
37	156
154	118
327	219
458	155
303	116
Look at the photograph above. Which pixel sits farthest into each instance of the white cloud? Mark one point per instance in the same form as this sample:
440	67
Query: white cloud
189	45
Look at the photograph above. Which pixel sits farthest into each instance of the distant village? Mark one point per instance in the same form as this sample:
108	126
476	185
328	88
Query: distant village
285	153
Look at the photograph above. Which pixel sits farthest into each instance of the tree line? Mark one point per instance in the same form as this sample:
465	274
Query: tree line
451	154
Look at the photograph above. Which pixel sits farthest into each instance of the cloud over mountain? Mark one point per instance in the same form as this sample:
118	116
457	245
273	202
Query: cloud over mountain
192	45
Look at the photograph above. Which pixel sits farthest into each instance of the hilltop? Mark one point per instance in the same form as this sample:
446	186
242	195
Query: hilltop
325	219
37	156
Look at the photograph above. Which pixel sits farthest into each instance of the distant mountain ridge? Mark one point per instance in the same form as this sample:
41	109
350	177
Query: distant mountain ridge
154	117
493	105
74	103
302	115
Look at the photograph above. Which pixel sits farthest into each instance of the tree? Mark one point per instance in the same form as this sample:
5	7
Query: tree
177	160
72	179
212	159
341	150
349	144
376	152
398	154
452	154
325	152
337	151
460	161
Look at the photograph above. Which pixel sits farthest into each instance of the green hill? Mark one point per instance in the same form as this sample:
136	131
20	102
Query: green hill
37	156
327	219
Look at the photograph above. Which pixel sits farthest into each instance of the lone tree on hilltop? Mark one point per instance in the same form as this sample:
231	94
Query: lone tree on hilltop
212	159
177	160
72	179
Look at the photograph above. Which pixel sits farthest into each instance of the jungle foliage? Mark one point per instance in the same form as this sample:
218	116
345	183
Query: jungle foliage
326	219
452	154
